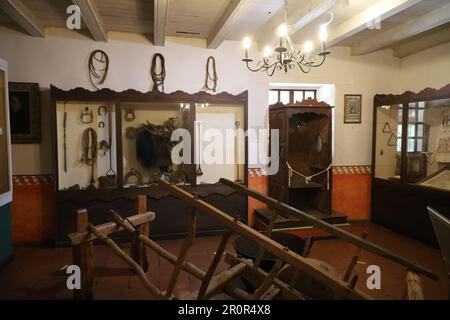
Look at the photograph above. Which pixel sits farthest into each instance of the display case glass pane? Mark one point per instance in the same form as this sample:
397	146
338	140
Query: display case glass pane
219	143
285	97
273	97
388	142
431	157
310	94
4	159
147	129
298	96
86	145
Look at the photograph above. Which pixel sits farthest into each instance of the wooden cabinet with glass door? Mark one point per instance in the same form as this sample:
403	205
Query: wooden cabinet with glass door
5	156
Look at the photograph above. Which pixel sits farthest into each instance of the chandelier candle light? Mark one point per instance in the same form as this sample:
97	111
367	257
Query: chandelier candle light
285	56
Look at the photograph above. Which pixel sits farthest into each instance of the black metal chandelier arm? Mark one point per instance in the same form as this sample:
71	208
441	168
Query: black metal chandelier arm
300	65
264	67
271	70
321	63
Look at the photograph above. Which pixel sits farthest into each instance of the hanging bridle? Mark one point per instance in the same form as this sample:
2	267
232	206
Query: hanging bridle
211	63
158	78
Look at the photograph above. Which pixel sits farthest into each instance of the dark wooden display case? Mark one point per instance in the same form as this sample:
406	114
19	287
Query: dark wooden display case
305	131
171	213
400	203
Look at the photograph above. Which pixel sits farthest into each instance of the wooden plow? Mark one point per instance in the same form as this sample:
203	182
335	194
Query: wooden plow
268	284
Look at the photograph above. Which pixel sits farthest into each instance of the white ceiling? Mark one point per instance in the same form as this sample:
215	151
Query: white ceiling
203	19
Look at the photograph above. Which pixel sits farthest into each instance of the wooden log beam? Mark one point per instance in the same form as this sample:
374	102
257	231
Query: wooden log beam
160	11
187	243
375	13
232	14
345	235
212	268
288	256
268	281
223	279
404	31
152	289
23	16
92	19
354	260
110	227
138	250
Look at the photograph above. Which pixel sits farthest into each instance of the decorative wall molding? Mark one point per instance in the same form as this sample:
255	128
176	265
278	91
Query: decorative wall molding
352	170
32	180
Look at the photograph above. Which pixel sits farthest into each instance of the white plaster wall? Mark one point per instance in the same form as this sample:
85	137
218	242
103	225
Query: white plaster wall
63	62
428	68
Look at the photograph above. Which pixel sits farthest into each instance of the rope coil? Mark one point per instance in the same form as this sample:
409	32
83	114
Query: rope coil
98	76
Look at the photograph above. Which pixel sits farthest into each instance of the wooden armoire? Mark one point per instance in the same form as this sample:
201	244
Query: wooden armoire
305	150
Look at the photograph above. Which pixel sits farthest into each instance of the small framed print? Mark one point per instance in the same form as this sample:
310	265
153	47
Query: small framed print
352	108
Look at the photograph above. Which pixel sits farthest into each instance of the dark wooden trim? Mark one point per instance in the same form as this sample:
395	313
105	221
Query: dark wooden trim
132	95
409	96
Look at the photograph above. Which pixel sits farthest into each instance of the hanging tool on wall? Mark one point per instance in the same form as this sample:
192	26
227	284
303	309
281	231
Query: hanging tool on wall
108	180
211	63
199	171
158	77
236	152
65	137
98	74
86	116
89	152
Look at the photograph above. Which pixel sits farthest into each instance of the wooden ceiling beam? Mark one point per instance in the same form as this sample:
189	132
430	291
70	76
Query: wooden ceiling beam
423	42
368	17
23	16
232	14
404	31
298	19
161	10
92	19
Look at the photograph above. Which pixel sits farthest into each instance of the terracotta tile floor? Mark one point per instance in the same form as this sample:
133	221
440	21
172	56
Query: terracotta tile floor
35	272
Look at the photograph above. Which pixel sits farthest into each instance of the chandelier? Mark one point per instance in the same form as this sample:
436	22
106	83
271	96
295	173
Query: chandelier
285	56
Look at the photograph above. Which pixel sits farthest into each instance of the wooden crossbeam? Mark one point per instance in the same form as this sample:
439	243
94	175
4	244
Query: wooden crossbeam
232	14
354	260
223	279
110	227
23	16
269	280
345	235
152	289
92	19
288	256
160	12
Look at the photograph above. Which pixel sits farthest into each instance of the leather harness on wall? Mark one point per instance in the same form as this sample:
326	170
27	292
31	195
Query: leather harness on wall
158	78
211	62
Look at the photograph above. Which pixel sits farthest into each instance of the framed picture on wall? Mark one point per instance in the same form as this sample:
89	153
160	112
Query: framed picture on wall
25	113
352	108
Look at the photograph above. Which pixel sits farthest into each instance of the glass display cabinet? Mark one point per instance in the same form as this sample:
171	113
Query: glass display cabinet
111	146
5	146
411	159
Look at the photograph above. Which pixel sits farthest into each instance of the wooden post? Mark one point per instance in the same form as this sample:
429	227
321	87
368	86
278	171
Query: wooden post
268	281
82	255
138	249
354	260
214	264
183	252
413	289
